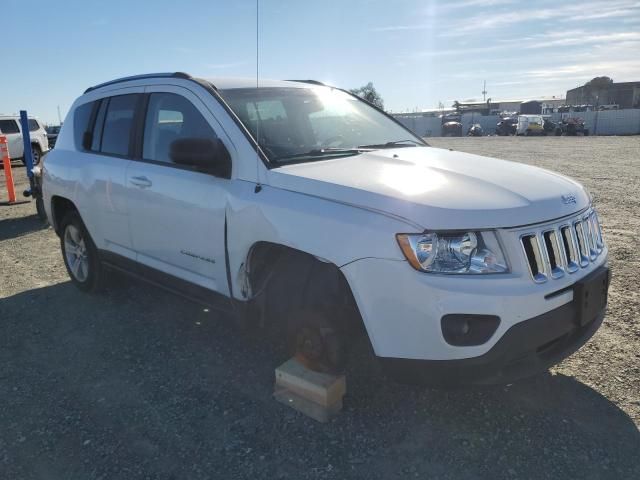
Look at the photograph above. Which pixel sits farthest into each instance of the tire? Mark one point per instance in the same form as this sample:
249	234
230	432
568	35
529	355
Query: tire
80	254
37	155
42	214
317	340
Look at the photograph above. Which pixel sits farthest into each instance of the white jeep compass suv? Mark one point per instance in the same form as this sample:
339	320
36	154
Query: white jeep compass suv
301	202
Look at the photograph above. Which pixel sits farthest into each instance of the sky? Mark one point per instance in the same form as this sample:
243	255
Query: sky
417	53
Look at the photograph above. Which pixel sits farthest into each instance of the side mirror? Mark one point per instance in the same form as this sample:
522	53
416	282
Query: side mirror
205	154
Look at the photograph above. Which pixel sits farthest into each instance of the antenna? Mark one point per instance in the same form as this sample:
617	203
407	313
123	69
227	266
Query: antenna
258	185
484	91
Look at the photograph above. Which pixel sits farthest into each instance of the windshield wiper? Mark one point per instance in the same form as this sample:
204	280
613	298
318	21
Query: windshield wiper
322	152
395	144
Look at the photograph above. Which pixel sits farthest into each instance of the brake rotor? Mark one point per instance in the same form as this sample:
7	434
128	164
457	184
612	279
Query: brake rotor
310	343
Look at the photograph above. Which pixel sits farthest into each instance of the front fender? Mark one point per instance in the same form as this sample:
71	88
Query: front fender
332	231
43	144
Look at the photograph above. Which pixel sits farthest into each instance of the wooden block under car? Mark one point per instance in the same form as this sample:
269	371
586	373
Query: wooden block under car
317	395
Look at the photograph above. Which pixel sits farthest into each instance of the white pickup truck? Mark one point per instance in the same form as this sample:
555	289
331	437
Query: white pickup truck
300	202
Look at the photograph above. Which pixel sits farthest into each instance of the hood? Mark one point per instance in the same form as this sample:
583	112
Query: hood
438	189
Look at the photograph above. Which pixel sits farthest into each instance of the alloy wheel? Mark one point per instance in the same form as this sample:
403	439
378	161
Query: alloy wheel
75	251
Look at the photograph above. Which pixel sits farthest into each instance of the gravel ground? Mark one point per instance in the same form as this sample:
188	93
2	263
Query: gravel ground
135	383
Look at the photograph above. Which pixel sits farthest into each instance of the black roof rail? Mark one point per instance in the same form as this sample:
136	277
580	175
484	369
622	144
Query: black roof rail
183	75
312	82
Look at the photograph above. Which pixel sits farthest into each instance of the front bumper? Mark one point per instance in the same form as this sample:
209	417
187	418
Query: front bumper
402	308
527	348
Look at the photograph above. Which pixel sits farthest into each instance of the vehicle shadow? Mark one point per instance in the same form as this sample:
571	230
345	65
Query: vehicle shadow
148	382
17	227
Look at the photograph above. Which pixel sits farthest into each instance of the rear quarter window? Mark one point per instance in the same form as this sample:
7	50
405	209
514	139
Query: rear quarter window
81	119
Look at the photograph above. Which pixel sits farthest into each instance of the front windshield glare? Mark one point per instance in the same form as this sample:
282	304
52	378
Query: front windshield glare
306	124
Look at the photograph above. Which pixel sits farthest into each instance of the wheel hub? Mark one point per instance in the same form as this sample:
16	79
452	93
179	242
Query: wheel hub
310	343
76	253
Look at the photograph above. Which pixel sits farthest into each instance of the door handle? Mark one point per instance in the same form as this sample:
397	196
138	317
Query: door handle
142	182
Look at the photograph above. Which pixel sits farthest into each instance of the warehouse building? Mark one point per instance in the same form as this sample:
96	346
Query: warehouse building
515	105
623	94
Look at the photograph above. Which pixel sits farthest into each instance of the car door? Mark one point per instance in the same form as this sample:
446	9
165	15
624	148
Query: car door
11	130
104	131
177	214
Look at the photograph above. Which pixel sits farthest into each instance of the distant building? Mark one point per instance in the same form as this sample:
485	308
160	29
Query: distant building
623	94
547	104
544	104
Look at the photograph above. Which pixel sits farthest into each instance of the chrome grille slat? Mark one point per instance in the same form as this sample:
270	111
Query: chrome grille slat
556	250
552	253
586	228
544	254
571	254
593	253
583	246
593	226
599	231
533	253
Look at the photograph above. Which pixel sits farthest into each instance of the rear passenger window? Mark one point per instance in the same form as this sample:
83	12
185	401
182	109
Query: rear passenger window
33	125
118	124
81	125
171	117
9	126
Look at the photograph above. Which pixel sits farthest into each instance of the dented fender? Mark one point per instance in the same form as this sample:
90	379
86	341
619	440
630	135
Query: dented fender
330	231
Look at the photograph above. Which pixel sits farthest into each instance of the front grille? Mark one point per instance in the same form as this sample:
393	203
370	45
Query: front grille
553	251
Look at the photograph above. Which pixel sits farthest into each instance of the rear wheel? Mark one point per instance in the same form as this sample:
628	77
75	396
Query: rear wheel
37	155
80	254
42	214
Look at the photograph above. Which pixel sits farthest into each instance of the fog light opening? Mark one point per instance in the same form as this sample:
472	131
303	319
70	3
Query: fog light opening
468	329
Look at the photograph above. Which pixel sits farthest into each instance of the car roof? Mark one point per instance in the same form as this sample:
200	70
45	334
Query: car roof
228	83
15	117
220	83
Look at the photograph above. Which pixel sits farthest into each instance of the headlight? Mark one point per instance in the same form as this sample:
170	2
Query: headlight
464	252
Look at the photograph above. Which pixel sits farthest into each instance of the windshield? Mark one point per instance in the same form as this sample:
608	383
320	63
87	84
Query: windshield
307	124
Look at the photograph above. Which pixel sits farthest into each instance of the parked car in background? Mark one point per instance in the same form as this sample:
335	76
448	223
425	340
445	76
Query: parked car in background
572	126
452	129
530	125
11	128
52	134
475	130
302	203
507	126
549	126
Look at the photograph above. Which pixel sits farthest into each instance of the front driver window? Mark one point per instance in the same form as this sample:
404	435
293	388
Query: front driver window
171	117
